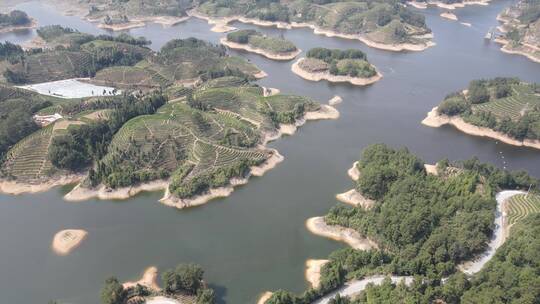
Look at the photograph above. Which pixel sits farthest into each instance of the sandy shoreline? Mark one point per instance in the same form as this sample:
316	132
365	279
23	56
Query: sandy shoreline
65	241
248	48
16	188
221	26
332	78
172	201
506	49
436	120
81	194
33	24
165	21
355	198
313	272
335	100
265	297
318	226
353	172
148	280
449	16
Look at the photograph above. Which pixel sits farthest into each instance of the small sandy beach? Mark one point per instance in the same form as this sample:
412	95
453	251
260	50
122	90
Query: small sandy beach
264	297
65	241
332	78
335	100
353	171
435	120
148	280
318	226
248	48
449	16
313	272
80	194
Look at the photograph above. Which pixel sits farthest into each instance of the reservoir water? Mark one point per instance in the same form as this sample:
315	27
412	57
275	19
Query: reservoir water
255	240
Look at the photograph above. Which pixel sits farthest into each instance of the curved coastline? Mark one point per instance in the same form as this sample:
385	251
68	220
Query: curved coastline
313	272
221	26
353	172
449	16
148	280
318	226
355	198
505	48
165	21
16	188
435	120
269	55
295	68
33	24
265	297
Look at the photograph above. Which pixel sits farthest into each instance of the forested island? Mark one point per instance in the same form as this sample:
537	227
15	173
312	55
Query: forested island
253	41
15	20
182	284
505	109
195	131
426	225
521	29
336	65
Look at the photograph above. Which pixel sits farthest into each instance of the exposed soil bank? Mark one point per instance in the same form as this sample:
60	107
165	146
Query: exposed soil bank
335	100
353	172
332	78
65	241
221	26
15	187
435	120
33	24
355	198
148	279
449	16
318	226
264	297
431	169
313	272
506	49
80	194
269	55
165	21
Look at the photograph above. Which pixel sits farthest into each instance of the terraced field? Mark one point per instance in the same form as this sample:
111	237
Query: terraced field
521	205
522	99
27	160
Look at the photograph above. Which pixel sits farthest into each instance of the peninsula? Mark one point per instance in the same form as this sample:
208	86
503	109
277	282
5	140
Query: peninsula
457	207
16	20
505	109
194	132
270	47
521	29
335	65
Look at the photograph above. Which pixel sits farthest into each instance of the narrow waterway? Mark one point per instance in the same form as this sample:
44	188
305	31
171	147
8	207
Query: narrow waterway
255	240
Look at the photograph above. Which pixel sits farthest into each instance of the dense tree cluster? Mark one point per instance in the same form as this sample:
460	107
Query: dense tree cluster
187	279
16	110
510	277
10	51
260	41
424	225
14	18
350	62
113	292
82	145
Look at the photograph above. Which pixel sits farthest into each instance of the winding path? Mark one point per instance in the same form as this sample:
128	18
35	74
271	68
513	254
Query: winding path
470	268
